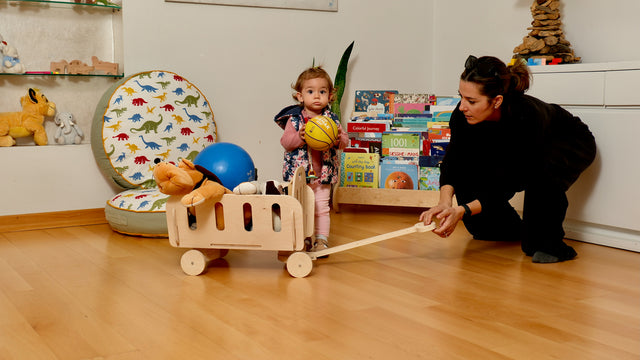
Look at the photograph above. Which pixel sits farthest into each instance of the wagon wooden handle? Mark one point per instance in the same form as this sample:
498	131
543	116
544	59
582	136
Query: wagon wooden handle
419	227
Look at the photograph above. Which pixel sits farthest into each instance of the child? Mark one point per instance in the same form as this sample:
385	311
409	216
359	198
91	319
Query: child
314	92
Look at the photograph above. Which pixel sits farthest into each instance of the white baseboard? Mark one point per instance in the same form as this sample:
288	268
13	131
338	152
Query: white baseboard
603	235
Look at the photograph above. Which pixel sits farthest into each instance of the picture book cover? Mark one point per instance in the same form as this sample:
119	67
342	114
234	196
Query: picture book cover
410	108
410	98
430	161
399	176
373	100
359	169
429	178
438	147
402	144
447	100
368	126
442	112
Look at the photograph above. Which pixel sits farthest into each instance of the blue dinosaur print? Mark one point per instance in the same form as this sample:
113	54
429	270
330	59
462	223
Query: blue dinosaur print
205	103
168	128
184	147
136	117
118	100
194	118
150	144
121	204
161	75
137	176
178	91
143	204
147	88
107	119
121	157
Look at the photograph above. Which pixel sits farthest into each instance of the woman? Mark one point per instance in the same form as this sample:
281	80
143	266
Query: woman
503	142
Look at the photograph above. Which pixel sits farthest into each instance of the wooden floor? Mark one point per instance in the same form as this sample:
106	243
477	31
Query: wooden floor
89	293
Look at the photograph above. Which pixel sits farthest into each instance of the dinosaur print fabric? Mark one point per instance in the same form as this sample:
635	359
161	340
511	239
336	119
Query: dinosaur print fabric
149	117
155	115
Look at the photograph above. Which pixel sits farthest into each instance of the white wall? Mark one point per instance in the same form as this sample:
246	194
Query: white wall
597	32
244	60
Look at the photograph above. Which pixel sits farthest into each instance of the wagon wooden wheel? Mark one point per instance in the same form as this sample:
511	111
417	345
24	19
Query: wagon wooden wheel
196	261
299	264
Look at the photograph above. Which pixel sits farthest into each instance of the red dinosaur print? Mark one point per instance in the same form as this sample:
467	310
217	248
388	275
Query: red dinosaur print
141	196
167	107
138	102
121	137
209	138
141	160
178	78
186	131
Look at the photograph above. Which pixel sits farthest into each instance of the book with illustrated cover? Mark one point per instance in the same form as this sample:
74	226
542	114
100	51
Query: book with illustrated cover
447	100
398	176
410	108
438	147
401	144
410	98
442	113
429	178
359	169
429	172
376	126
373	101
407	103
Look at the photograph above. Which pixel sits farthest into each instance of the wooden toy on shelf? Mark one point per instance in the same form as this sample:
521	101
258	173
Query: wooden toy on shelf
78	67
59	67
108	68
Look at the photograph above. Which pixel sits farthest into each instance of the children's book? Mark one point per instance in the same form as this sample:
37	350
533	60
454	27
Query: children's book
442	113
399	176
438	147
400	103
376	101
359	169
368	126
429	178
410	108
447	100
401	144
429	172
411	98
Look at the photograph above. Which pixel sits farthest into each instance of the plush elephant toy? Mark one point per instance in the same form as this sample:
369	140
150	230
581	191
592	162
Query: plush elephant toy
68	131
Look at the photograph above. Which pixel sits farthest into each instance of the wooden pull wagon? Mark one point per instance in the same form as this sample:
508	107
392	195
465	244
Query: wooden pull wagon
243	222
256	222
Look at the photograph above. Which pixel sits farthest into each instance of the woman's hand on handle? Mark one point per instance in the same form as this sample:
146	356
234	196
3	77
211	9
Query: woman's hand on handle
446	216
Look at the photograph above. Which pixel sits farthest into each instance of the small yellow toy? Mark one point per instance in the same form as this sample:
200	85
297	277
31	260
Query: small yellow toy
29	121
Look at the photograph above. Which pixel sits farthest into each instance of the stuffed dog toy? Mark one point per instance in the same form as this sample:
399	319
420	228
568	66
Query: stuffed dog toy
195	185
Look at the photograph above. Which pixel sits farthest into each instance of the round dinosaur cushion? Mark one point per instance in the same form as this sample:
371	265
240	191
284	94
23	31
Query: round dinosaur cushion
139	212
149	116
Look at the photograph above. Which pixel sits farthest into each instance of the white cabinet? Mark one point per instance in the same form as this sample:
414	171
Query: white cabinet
604	204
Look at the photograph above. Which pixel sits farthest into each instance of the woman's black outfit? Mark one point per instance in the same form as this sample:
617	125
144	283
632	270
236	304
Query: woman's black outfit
535	147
